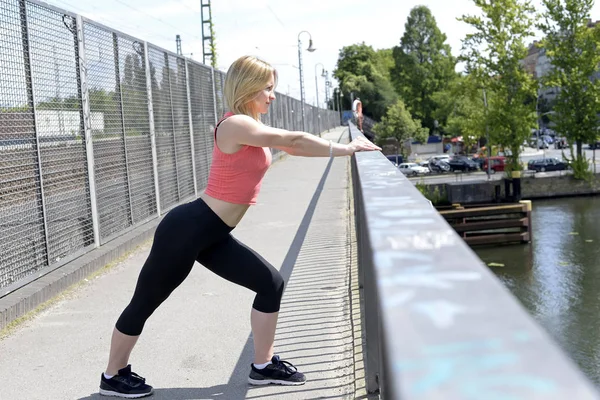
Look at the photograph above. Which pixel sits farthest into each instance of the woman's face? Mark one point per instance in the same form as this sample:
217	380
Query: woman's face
264	98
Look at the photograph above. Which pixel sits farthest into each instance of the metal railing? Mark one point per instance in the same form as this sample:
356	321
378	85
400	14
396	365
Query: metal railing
438	324
99	133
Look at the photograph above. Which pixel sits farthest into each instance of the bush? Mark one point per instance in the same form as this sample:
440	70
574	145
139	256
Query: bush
580	166
436	196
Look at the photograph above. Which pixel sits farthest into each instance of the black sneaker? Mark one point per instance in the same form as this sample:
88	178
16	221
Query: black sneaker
278	373
126	384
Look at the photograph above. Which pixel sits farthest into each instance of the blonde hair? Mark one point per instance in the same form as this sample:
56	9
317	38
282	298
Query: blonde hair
246	77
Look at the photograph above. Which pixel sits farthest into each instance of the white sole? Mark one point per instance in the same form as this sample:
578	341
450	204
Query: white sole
264	382
127	396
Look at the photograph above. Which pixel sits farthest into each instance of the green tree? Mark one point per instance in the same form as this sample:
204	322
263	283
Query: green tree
423	64
385	62
461	109
364	72
572	47
399	124
493	54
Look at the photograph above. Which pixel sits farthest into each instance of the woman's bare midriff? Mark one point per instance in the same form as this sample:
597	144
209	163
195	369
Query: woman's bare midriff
230	213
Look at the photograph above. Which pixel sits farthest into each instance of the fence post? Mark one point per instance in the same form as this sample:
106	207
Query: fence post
173	126
286	113
212	71
87	125
152	130
189	100
31	100
120	94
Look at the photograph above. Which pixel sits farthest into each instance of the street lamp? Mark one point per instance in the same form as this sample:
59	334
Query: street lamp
327	86
317	88
340	95
310	49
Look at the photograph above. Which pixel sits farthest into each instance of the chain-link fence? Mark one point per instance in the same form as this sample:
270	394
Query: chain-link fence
99	132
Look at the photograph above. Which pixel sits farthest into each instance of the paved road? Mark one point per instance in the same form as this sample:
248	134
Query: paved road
478	176
531	153
197	345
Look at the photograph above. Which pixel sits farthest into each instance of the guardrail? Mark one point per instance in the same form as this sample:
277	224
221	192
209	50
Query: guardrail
438	324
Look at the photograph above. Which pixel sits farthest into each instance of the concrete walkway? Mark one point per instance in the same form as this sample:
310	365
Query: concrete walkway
198	344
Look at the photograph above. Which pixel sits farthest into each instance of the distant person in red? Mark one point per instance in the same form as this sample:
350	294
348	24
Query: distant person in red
357	111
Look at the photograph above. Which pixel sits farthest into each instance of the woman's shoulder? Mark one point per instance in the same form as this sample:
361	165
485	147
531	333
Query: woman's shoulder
238	121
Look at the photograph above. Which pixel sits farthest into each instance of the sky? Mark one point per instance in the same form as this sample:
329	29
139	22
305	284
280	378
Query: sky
270	29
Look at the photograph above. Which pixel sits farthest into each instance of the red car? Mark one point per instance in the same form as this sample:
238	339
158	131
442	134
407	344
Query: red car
497	164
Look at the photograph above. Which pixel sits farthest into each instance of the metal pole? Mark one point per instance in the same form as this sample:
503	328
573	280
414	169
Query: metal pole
340	108
286	113
189	100
301	81
173	125
152	128
487	137
212	71
119	92
31	100
87	123
334	108
317	88
212	138
222	80
327	84
324	75
352	107
178	43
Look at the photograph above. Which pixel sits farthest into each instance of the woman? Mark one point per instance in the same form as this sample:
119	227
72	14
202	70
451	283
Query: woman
201	231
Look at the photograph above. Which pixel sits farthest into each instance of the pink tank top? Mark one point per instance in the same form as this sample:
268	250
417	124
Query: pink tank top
236	178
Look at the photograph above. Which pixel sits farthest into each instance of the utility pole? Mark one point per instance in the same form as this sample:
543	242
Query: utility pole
208	49
178	41
310	49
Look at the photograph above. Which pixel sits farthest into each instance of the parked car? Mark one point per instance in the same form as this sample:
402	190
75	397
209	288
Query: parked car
595	145
439	165
538	142
547	164
497	164
439	157
412	169
547	138
561	143
461	163
424	164
396	159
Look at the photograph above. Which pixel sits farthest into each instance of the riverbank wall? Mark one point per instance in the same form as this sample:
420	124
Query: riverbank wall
498	191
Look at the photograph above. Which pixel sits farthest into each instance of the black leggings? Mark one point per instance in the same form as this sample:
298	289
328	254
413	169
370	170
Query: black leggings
193	232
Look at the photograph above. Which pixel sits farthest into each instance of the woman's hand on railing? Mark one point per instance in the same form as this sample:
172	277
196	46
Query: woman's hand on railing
362	144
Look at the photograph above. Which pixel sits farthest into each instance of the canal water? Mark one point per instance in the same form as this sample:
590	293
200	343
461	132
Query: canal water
557	277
